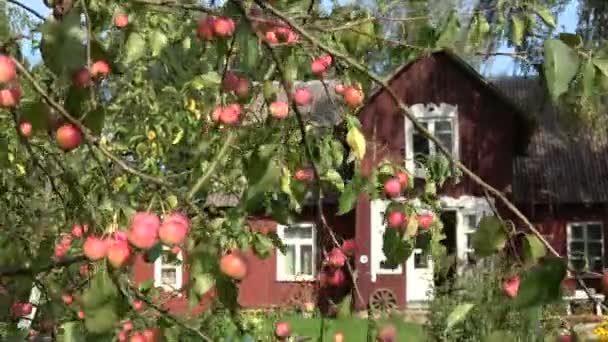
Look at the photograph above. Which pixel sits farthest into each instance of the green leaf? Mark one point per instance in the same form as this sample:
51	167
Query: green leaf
291	68
101	291
345	308
178	136
146	286
101	320
203	282
75	101
262	246
395	249
172	201
602	65
541	284
449	31
248	47
61	46
571	39
490	237
348	199
154	253
457	315
500	336
561	65
533	249
208	80
71	332
158	41
95	120
263	172
517	29
589	78
135	47
35	113
333	177
545	14
479	29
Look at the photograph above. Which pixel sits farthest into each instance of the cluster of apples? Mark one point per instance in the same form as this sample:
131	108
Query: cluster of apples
333	274
237	84
281	34
63	247
85	76
393	188
10	92
21	309
212	27
320	65
352	95
147	335
228	115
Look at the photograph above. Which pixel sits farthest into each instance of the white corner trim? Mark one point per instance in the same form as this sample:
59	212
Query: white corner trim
312	241
179	270
425	112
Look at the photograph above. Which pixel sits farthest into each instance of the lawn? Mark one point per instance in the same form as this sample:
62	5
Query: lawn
354	329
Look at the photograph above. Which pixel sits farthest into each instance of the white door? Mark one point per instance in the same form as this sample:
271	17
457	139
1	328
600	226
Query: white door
419	281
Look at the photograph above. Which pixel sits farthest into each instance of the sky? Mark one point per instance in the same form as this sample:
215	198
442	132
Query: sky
496	66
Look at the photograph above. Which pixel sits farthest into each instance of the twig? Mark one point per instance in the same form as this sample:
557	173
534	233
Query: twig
32	270
27	8
175	4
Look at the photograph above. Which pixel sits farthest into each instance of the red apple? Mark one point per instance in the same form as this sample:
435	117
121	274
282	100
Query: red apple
137	337
81	314
67	299
118	253
127	326
230	82
282	330
271	37
82	78
425	221
137	305
100	69
10	97
388	333
121	20
339	88
336	258
95	248
338	337
173	231
144	230
217	113
353	97
511	286
396	219
242	88
286	35
121	236
231	114
8	69
565	338
403	179
122	336
302	97
392	187
25	129
223	27
61	251
336	278
77	231
21	309
279	109
205	28
83	270
234	266
304	175
68	137
151	335
349	247
66	240
320	65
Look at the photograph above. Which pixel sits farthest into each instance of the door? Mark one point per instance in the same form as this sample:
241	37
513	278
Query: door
419	277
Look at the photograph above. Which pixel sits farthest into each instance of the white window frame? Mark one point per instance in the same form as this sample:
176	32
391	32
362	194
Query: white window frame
159	266
429	113
298	243
585	240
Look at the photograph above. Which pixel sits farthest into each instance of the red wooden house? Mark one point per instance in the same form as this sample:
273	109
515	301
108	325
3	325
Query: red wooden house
488	128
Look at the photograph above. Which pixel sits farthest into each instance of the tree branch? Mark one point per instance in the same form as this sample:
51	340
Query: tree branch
32	270
27	8
175	4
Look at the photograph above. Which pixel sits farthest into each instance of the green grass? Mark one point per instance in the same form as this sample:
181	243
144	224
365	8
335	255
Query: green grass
354	329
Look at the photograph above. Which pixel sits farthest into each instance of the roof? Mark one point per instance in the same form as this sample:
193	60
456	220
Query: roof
562	165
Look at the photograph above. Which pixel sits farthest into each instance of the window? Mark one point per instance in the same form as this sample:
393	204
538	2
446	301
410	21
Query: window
586	246
470	224
298	261
441	121
168	271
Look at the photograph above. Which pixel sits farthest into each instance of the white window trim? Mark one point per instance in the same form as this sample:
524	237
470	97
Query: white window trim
281	276
422	113
378	226
179	270
585	240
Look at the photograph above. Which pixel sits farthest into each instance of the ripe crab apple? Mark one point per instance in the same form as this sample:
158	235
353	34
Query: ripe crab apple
21	309
8	69
425	221
83	270
77	231
25	129
282	330
137	305
82	78
217	113
10	97
388	333
122	336
151	335
403	179
223	27
231	114
339	88
349	247
271	37
68	137
320	65
173	231
302	97
204	30
144	230
511	286
67	298
81	314
392	187
279	109
66	240
230	81
100	69
118	253
95	248
234	266
565	338
121	20
60	251
353	97
242	88
336	258
137	337
338	337
396	219
336	278
127	326
285	34
304	175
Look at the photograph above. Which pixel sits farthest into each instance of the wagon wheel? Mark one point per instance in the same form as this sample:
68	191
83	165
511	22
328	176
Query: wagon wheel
383	300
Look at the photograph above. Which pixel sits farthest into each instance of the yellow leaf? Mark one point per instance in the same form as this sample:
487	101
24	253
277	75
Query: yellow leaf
412	226
356	141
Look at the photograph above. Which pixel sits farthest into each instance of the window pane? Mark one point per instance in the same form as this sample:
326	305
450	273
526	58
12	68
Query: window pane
470	221
306	265
421	144
577	232
421	260
594	232
469	238
443	126
298	232
577	248
289	260
446	140
577	263
168	276
596	265
594	249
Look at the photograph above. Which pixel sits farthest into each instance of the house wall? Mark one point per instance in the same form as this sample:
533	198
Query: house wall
488	131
